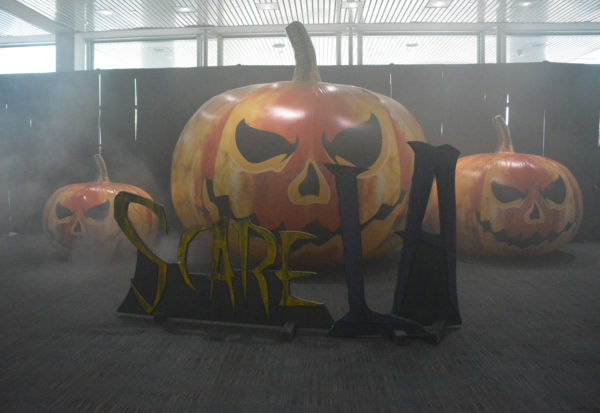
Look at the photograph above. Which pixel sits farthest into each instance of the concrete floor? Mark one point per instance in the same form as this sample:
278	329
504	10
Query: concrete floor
530	342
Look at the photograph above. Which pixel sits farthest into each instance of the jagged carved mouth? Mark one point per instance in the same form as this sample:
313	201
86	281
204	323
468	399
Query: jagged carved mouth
61	242
519	241
321	233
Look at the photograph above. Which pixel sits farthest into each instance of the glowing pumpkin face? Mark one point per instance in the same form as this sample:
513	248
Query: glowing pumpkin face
511	204
261	150
81	215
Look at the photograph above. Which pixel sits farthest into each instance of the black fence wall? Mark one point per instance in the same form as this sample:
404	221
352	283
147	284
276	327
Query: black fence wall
50	123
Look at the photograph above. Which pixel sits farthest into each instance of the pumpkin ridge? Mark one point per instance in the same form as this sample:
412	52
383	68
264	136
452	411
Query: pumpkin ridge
522	221
208	164
78	228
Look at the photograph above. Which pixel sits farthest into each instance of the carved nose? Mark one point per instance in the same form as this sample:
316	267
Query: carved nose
535	214
309	187
77	228
310	184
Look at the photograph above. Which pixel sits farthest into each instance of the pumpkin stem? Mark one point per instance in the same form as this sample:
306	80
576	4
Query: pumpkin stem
503	133
304	53
101	168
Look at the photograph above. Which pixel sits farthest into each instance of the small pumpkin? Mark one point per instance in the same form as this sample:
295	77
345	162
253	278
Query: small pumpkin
260	151
512	204
81	215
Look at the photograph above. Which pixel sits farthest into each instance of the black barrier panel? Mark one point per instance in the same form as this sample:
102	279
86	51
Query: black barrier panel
417	88
572	133
49	134
455	104
122	146
55	148
465	90
526	90
495	86
118	116
374	78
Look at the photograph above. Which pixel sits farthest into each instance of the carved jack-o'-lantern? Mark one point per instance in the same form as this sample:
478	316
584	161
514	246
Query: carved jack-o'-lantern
261	150
511	204
81	215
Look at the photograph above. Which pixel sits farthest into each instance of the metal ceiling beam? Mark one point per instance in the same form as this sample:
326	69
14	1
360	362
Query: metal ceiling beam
26	40
33	17
279	30
481	47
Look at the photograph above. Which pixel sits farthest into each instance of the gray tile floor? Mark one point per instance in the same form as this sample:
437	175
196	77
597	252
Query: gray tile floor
530	343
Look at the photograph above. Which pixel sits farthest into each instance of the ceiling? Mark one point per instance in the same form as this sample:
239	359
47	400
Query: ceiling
21	20
34	17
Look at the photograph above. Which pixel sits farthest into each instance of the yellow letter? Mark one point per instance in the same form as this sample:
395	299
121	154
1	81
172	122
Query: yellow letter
221	266
286	275
121	204
241	228
182	250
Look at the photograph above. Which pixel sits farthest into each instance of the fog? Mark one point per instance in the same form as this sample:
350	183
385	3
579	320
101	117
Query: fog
49	124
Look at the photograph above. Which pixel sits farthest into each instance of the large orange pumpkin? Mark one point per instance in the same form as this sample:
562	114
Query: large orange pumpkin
511	204
81	215
260	151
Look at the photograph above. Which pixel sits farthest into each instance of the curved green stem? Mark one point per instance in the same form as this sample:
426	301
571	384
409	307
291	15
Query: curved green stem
304	53
503	133
101	168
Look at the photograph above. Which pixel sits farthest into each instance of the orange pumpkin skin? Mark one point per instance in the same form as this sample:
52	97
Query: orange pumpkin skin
80	216
511	204
308	117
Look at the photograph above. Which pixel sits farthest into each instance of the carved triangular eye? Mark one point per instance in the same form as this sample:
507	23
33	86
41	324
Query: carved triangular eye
98	212
506	194
360	145
62	212
556	191
258	145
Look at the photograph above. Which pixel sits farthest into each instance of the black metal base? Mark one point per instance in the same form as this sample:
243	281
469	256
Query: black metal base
371	323
426	298
180	301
